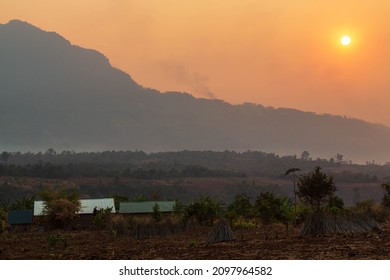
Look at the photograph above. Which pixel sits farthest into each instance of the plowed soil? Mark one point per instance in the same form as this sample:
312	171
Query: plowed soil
271	244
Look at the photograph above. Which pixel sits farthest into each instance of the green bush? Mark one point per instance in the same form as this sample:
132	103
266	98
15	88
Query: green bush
274	209
242	223
102	218
271	209
205	210
240	208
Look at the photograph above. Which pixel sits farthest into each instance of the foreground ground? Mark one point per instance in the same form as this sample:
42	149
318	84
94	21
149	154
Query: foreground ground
248	244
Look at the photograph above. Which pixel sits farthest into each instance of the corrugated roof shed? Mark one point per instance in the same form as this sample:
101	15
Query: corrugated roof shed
87	205
20	217
145	207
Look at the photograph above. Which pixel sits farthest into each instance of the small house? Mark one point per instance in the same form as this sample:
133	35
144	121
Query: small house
86	213
20	219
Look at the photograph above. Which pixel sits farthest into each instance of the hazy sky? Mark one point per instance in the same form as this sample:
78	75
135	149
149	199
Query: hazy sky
273	52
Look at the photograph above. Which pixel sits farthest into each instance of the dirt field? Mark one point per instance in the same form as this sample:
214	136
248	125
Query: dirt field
248	244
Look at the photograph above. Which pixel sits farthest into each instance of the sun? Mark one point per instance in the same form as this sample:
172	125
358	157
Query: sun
345	40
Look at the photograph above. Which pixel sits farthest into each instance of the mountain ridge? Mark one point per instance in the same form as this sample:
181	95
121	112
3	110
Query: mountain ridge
59	95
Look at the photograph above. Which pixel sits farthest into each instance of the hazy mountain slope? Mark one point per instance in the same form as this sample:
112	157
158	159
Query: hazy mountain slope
54	94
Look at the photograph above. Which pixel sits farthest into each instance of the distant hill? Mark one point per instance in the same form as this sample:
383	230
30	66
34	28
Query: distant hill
55	94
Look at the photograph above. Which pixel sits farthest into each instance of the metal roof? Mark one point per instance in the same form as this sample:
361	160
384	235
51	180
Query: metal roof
145	207
87	205
20	217
38	208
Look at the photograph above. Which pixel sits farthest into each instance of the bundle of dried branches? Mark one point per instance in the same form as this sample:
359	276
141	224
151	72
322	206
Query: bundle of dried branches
221	232
324	223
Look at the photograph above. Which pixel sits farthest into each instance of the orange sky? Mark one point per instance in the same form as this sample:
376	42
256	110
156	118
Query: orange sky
273	52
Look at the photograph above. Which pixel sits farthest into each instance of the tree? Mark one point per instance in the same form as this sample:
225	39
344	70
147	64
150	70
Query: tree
118	199
51	152
316	188
102	217
4	156
5	204
26	203
60	212
339	158
60	208
305	155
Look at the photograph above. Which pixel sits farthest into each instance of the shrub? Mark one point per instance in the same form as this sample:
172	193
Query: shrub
157	216
270	208
335	203
56	240
274	209
205	210
240	207
242	223
61	212
102	218
303	212
192	243
60	208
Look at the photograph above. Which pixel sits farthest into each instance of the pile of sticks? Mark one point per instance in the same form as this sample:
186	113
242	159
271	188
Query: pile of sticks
221	231
324	223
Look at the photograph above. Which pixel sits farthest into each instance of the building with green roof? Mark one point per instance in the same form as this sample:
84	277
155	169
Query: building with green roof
146	207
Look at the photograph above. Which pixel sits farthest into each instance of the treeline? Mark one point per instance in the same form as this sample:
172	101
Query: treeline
70	170
138	164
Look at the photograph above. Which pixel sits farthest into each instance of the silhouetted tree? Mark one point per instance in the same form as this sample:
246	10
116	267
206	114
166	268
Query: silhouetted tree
305	155
60	208
339	158
316	188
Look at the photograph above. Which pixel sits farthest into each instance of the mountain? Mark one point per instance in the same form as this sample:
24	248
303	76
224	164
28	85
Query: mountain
55	94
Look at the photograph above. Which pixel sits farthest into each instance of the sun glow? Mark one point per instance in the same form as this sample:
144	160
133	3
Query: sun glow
345	40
